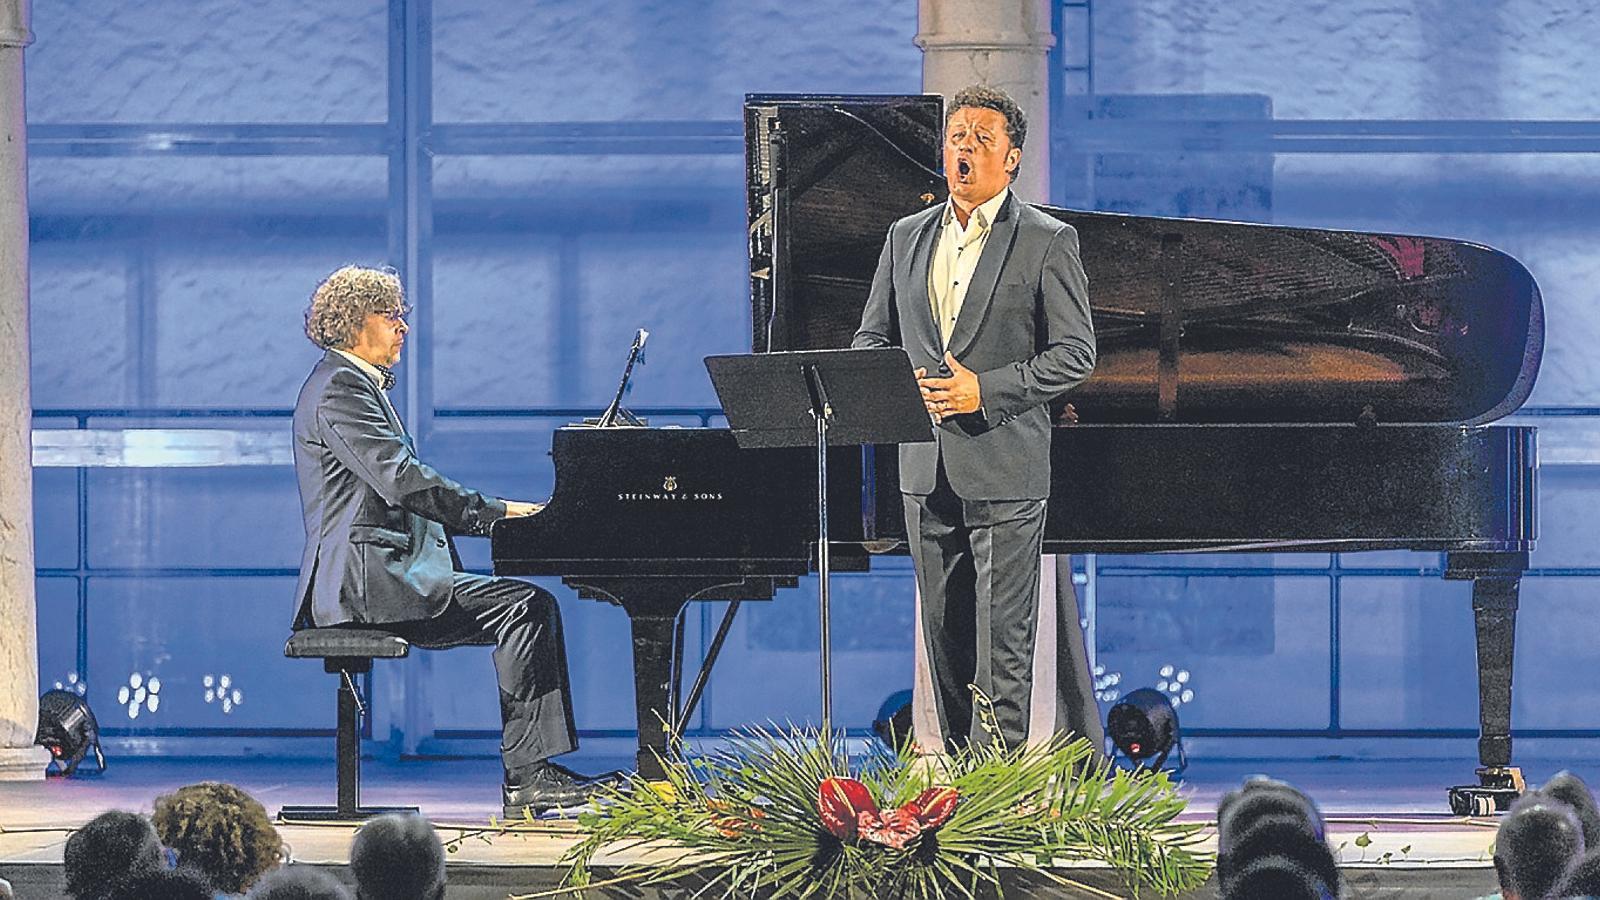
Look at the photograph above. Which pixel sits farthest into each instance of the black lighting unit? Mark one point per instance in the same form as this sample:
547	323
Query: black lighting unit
893	723
1143	726
67	728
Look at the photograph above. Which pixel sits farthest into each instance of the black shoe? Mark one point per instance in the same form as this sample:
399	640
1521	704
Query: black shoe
615	776
548	787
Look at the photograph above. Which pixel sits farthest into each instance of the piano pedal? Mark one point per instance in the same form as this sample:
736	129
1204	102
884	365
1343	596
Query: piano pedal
1498	787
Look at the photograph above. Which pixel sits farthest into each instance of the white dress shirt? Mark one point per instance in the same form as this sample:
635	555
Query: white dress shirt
955	259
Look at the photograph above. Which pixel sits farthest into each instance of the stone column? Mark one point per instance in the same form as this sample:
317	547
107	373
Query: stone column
1003	44
20	759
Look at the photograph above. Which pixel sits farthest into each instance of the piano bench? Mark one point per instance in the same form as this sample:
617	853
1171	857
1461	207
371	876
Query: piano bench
346	652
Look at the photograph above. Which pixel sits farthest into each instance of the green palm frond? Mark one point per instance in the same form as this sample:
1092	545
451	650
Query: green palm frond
745	821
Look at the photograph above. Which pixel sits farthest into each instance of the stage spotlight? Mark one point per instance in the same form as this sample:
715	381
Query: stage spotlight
67	728
1144	726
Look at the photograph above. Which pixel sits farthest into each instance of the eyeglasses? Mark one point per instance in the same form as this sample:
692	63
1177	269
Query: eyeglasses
397	316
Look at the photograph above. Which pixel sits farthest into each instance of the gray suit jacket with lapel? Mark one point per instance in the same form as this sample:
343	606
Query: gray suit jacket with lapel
1024	328
376	544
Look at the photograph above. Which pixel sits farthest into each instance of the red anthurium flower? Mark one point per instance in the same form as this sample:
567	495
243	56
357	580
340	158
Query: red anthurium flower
842	803
895	829
935	806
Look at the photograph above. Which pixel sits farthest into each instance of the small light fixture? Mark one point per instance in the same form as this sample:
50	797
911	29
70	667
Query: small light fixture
67	728
1143	726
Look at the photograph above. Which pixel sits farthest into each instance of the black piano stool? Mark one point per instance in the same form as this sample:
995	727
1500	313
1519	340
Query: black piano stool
345	652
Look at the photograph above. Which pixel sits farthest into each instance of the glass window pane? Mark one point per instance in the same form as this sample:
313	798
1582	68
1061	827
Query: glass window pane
1555	656
55	516
769	668
546	267
208	60
1406	654
623	60
57	623
201	517
79	306
198	270
168	636
1252	650
1429	61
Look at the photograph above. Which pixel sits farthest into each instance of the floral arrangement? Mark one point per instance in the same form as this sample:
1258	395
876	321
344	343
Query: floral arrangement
778	815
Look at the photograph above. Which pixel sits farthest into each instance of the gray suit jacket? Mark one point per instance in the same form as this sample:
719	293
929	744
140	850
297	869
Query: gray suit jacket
376	544
1024	328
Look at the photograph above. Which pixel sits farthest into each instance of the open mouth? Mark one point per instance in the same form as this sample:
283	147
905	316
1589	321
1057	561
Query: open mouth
963	168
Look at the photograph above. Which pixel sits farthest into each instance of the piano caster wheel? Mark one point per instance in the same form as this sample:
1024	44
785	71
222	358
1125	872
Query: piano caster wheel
1498	788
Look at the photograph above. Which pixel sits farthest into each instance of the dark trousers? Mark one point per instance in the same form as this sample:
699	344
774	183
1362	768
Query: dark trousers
530	660
977	565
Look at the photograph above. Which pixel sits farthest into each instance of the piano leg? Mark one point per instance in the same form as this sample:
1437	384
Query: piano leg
1496	580
653	645
653	605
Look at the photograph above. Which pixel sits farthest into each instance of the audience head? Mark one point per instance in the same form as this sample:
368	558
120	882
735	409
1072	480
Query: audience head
1283	837
398	857
164	884
1538	841
1583	879
219	830
108	849
1571	790
299	883
1260	796
1271	842
1277	878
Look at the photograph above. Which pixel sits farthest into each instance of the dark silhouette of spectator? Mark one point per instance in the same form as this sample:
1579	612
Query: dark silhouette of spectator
164	884
1583	880
1272	831
299	883
398	857
1285	837
111	847
1260	796
1571	790
219	830
1275	878
1539	840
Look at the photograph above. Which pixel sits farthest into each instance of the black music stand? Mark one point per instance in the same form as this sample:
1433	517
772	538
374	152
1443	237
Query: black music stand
822	398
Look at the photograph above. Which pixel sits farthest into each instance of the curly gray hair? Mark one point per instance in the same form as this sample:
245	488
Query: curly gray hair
340	304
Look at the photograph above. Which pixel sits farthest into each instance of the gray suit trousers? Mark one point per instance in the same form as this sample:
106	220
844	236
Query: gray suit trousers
530	660
977	564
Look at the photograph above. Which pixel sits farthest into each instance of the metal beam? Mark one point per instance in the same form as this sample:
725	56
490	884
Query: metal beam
1457	136
193	139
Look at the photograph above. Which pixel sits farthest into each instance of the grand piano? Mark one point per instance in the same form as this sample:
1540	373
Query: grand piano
1259	388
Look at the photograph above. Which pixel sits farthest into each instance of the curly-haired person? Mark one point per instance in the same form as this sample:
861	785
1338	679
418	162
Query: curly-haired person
379	524
219	831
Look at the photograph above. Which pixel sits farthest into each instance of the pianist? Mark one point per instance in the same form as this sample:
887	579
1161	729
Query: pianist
989	297
378	548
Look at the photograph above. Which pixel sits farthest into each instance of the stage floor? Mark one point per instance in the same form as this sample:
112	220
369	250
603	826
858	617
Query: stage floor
1386	817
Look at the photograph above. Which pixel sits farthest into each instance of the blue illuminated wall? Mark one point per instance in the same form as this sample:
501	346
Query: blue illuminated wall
550	176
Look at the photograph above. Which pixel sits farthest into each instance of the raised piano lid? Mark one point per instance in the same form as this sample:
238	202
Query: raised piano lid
1262	323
